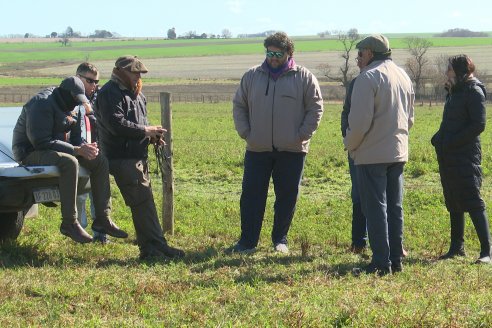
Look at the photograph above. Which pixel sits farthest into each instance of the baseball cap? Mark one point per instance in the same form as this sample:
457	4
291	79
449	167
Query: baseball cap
76	88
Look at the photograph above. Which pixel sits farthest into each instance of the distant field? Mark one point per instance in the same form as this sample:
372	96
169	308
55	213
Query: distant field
54	51
28	65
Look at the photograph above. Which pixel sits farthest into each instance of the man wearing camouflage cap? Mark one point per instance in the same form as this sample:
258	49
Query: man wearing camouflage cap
381	115
124	135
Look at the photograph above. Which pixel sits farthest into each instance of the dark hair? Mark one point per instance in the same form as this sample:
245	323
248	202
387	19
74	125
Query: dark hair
86	68
281	41
462	66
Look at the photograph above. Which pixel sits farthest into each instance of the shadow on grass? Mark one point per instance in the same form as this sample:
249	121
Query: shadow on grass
14	255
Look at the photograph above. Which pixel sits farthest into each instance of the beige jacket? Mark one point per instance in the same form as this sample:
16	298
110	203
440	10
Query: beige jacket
381	115
281	114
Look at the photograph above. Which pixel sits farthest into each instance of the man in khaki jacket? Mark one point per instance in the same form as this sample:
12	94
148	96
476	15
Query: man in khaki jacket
277	109
381	115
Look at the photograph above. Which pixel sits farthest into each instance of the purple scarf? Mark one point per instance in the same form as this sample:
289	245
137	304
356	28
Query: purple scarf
276	72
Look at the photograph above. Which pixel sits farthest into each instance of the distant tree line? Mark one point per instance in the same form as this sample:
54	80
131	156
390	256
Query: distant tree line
257	35
461	33
171	34
70	33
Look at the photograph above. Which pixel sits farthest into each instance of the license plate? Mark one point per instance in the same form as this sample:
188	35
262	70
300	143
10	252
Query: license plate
43	195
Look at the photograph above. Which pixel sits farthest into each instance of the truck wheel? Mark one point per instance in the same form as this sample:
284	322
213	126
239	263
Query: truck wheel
11	225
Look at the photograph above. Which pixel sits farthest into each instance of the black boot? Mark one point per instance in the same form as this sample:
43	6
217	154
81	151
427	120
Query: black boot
481	223
457	247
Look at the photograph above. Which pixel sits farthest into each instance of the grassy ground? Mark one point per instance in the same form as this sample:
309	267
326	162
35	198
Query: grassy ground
48	280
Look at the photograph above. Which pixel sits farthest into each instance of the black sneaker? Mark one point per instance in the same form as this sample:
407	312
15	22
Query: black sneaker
103	239
166	252
371	269
452	253
240	249
396	267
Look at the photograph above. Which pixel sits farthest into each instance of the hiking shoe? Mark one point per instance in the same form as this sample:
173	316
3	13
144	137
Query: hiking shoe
167	252
240	249
281	248
108	227
75	232
371	269
171	252
103	239
396	267
483	260
453	253
357	249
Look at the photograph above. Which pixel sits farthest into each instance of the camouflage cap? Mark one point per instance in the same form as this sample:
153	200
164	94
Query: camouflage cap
131	64
375	43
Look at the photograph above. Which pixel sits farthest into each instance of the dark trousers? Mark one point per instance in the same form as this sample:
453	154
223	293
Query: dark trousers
359	225
133	180
286	169
68	165
381	194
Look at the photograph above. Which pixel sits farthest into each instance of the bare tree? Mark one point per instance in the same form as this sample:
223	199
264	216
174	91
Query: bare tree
226	34
345	73
416	63
65	41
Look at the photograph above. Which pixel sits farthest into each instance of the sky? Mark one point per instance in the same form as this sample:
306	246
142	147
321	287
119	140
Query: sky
152	18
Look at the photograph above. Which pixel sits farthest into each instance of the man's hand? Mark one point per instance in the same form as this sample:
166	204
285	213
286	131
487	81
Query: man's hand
155	134
154	131
88	151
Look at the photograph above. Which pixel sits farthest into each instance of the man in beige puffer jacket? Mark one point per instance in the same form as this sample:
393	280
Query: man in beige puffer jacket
276	109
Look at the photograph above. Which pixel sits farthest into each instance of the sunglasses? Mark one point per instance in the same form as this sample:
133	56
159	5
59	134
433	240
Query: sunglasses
89	80
278	54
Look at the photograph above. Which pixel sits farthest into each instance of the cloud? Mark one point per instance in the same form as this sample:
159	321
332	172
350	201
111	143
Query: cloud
235	6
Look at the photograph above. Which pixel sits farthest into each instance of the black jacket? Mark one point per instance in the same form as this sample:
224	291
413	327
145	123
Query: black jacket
457	145
121	118
42	120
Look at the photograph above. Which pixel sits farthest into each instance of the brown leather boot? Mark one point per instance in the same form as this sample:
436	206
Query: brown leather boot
75	231
108	227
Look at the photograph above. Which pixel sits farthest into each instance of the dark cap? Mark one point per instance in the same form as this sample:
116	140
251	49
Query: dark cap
131	64
76	88
375	43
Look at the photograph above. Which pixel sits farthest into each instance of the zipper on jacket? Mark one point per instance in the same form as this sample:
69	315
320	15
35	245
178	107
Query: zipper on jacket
273	108
268	85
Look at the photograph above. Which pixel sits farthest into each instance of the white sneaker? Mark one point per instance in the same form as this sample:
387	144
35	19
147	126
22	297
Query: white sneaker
281	248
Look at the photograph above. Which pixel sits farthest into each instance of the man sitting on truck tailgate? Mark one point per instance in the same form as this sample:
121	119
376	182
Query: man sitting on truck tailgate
36	141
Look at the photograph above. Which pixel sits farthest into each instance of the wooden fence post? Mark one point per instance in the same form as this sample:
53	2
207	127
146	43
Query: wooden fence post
167	161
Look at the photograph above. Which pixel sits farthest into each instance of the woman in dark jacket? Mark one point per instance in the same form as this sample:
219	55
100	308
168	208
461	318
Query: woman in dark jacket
458	150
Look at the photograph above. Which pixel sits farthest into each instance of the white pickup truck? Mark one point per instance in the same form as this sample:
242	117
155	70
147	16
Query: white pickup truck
23	187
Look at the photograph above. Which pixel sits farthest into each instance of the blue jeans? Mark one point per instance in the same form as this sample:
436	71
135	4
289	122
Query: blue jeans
359	227
286	170
82	215
381	194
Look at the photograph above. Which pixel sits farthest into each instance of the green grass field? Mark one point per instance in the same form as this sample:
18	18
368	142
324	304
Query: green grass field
48	280
105	50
